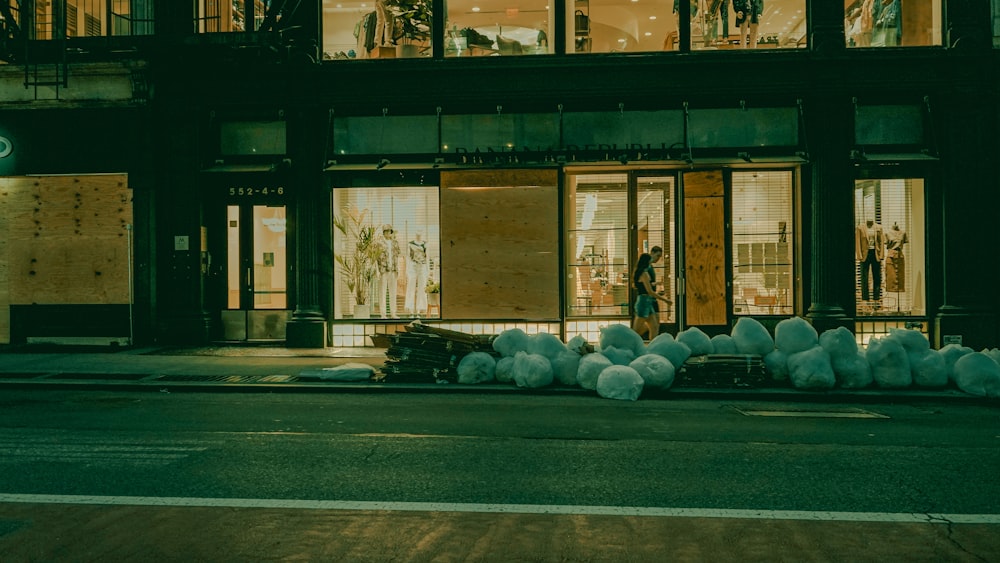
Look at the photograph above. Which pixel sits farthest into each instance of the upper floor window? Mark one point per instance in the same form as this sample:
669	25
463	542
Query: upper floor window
368	29
754	24
482	28
892	23
229	15
86	18
996	23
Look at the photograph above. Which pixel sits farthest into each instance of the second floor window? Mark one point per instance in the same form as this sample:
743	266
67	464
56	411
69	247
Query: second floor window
892	23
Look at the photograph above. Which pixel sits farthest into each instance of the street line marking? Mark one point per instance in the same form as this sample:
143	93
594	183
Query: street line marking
575	510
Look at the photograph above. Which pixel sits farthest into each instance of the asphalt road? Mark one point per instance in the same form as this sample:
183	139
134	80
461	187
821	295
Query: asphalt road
503	477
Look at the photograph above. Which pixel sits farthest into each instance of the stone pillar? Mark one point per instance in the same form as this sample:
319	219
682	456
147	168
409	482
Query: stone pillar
829	254
307	131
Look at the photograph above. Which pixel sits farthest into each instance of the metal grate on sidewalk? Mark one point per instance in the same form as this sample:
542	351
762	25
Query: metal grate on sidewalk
226	378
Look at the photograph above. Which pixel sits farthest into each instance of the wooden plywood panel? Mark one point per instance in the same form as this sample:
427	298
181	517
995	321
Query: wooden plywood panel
4	261
705	253
707	183
500	244
67	240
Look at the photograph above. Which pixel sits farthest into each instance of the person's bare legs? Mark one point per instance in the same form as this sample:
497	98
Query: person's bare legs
654	325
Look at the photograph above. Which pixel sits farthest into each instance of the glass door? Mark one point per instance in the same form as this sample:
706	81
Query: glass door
656	228
256	273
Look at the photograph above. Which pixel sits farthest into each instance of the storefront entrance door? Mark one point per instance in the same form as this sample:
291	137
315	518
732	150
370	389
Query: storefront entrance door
256	273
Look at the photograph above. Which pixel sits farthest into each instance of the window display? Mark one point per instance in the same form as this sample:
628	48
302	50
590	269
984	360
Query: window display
379	29
386	253
598	248
888	244
741	24
892	23
475	29
762	243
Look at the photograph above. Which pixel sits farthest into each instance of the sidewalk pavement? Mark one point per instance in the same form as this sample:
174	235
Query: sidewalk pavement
272	370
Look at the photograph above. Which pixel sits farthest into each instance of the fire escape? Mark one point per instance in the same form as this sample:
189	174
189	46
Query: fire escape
34	36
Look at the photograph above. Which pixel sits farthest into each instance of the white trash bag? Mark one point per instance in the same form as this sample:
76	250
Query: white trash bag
476	367
977	374
619	382
621	336
795	335
890	363
656	371
723	344
751	337
511	341
591	367
811	369
696	340
532	370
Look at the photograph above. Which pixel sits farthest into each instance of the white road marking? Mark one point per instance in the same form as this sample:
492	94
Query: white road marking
885	517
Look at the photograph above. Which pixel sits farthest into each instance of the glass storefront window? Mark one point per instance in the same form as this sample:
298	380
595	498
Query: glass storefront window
386	250
620	26
597	229
760	24
889	247
376	29
215	16
763	234
892	23
478	29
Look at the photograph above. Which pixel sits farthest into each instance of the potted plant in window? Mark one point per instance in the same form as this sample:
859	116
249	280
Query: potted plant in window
413	25
359	262
433	290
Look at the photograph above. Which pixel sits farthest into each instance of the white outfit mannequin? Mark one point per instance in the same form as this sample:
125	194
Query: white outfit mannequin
388	273
416	275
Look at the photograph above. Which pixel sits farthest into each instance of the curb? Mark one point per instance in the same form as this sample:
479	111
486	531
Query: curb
160	383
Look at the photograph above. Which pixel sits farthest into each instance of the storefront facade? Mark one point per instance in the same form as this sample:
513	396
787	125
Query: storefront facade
322	204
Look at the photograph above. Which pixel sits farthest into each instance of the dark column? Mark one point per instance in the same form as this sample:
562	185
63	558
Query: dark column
307	129
829	255
179	210
827	119
968	218
965	123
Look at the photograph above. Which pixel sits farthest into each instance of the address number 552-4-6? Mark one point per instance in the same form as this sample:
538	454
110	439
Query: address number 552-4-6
250	192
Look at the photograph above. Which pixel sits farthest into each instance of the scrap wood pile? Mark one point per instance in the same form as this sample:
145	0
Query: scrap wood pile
425	354
722	370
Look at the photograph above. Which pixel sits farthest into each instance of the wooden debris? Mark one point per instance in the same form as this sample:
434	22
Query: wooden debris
426	354
722	370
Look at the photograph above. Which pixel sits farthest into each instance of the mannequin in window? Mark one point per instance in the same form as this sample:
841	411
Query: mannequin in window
895	263
887	23
384	23
747	19
869	250
388	270
416	275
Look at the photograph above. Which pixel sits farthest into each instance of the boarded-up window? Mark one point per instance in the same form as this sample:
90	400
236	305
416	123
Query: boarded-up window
500	244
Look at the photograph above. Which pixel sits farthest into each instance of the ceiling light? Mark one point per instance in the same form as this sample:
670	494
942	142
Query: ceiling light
475	8
648	34
651	18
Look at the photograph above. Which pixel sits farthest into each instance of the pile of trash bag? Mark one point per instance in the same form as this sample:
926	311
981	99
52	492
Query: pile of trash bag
621	365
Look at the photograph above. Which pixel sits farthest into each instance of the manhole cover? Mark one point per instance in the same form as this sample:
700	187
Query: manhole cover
810	413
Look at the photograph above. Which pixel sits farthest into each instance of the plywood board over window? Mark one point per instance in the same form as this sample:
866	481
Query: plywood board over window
500	244
64	242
